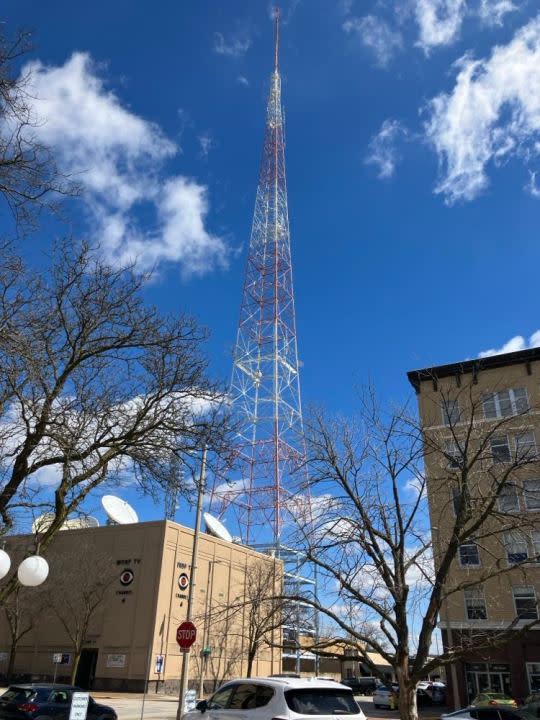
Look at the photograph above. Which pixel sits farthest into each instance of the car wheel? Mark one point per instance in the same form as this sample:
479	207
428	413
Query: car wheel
376	706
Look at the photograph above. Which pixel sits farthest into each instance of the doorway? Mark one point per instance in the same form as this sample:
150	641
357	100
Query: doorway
484	677
87	668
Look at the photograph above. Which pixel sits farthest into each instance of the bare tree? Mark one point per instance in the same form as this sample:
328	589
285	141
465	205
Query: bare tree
225	658
95	386
21	610
258	613
78	587
29	175
383	580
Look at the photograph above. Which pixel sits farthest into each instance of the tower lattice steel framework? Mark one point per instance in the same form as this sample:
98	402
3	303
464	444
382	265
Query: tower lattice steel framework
265	386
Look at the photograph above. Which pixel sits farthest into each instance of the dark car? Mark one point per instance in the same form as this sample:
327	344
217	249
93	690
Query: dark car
489	712
46	702
361	685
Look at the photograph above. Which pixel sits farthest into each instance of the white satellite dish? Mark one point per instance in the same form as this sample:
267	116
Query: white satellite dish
216	527
119	511
42	523
79	523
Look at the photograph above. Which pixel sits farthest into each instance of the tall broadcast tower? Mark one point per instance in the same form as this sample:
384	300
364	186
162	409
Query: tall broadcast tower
265	386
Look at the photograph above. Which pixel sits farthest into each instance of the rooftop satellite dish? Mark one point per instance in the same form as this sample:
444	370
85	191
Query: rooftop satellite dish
216	527
42	523
78	523
118	511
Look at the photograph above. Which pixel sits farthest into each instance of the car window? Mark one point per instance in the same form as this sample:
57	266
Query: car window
507	714
219	700
60	696
487	714
264	695
244	697
17	694
321	702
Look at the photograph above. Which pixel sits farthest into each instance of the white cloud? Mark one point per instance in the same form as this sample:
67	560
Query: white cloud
377	35
439	21
518	342
206	142
236	46
117	157
492	12
382	150
242	80
492	113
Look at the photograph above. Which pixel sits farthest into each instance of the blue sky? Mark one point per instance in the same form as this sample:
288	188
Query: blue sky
413	138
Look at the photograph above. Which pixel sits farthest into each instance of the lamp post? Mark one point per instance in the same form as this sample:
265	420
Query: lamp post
193	579
32	571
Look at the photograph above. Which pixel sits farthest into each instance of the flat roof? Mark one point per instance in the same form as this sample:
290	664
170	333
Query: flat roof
472	366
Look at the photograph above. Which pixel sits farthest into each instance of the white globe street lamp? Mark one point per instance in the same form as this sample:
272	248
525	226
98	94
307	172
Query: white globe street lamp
33	571
5	563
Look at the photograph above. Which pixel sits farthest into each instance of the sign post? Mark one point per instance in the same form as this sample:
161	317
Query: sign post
192	583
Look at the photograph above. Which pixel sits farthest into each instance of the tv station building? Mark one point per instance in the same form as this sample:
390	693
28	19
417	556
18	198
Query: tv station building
134	629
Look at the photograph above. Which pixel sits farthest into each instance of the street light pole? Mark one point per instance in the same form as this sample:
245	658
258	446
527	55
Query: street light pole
192	583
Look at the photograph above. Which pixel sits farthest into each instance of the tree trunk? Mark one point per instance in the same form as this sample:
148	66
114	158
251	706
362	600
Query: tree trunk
11	661
408	709
251	658
75	665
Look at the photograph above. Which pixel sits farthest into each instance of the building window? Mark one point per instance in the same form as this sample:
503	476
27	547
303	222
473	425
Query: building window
453	454
469	555
535	539
516	548
533	675
525	445
531	493
525	602
458	496
505	403
475	604
508	500
500	449
450	412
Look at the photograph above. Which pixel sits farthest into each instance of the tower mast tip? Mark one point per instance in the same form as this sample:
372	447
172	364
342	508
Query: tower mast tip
277	15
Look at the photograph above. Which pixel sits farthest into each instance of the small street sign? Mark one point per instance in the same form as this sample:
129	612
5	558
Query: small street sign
160	661
57	658
186	635
79	706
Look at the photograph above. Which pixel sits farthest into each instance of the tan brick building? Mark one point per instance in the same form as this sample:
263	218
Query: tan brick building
503	392
135	627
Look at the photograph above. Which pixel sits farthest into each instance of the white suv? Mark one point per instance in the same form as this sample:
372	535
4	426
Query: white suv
286	698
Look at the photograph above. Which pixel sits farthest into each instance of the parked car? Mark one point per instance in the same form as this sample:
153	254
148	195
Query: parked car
287	698
385	696
47	702
489	712
361	685
491	698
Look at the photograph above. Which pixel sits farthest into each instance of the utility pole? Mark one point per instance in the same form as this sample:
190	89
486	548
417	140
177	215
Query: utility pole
192	583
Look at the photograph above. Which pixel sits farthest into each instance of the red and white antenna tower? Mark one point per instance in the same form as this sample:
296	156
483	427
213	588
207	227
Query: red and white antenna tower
265	386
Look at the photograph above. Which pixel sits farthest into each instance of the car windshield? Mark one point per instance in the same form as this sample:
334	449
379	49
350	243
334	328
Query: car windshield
18	694
321	702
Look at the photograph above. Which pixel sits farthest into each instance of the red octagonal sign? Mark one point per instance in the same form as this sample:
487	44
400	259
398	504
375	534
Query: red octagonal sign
186	635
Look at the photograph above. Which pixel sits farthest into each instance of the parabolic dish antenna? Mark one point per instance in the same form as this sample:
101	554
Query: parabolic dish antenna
216	527
78	523
119	511
42	523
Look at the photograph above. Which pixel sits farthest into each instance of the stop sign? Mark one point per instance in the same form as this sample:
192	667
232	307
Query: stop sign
186	635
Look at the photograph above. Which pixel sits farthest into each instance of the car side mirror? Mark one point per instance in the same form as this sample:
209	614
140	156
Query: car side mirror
202	705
